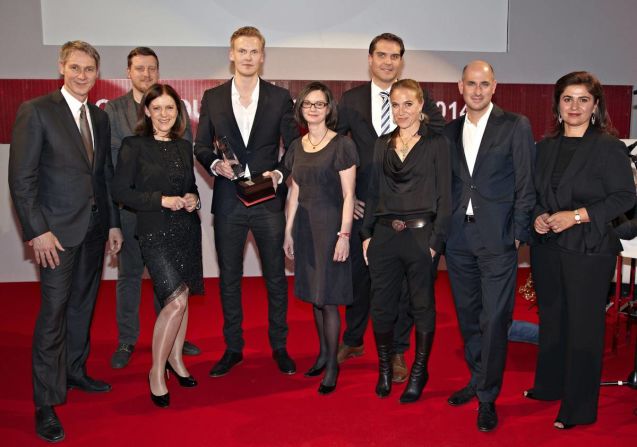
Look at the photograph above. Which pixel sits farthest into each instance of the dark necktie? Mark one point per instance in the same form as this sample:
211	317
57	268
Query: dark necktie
384	113
85	132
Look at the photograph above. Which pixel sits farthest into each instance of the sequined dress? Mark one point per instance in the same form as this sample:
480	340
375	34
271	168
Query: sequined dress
173	257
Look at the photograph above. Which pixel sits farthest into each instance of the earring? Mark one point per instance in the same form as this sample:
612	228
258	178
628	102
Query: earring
421	117
593	119
559	118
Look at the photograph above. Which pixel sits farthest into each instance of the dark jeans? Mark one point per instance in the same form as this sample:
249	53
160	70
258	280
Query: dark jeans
62	329
357	314
129	281
231	232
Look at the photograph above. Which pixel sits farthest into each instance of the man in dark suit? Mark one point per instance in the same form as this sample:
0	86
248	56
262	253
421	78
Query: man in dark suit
365	114
254	116
143	71
59	176
493	197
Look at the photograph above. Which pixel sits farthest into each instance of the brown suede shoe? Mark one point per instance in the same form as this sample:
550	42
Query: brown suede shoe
400	368
347	352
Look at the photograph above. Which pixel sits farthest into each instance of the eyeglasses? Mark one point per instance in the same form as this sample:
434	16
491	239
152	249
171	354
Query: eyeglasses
318	105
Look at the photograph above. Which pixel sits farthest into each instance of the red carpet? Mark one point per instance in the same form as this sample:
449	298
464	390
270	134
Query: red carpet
255	405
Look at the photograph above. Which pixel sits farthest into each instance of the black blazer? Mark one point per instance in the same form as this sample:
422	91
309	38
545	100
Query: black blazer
598	178
355	118
501	186
52	182
140	180
273	122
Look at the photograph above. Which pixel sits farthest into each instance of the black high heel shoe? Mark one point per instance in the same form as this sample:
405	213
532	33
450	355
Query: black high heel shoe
314	371
561	425
186	382
162	401
327	389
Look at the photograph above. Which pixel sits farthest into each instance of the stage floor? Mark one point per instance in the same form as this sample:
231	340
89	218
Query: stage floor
255	405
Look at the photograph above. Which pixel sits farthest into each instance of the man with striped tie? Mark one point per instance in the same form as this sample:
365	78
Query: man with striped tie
365	113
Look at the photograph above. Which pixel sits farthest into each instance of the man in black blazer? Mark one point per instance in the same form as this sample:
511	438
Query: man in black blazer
360	113
493	197
254	116
59	176
143	71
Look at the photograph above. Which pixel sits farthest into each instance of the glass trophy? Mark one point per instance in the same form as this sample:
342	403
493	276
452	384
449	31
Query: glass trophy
223	148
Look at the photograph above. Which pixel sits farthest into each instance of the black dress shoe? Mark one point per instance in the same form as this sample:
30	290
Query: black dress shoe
487	417
284	362
186	382
190	349
47	424
122	355
530	394
314	371
88	385
462	396
228	361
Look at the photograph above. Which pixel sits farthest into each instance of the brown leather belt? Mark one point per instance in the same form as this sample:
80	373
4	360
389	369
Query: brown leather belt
400	225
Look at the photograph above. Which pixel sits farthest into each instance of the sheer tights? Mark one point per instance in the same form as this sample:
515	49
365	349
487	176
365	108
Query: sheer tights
328	327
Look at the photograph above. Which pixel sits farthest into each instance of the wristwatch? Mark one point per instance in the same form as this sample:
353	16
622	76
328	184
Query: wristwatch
578	218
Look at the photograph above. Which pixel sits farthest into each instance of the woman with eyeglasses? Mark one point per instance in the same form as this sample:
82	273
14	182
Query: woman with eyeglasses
320	211
583	182
406	221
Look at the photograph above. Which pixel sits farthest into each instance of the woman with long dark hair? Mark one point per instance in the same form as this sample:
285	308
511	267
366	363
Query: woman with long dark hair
583	182
155	177
320	211
407	217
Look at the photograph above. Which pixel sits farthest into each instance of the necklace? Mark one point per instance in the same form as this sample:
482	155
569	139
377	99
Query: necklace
402	153
314	146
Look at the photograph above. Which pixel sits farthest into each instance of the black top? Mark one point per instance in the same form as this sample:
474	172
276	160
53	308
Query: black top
568	146
419	185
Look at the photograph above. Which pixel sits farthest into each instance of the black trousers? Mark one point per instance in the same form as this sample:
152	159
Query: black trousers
231	232
483	287
394	256
129	281
62	329
572	289
357	314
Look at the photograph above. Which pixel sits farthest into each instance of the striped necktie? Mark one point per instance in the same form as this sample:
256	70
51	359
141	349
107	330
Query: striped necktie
384	113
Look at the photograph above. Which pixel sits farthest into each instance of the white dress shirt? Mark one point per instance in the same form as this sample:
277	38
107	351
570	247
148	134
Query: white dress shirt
471	139
75	107
377	105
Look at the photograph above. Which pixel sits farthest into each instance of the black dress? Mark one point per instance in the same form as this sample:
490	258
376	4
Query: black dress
170	241
318	279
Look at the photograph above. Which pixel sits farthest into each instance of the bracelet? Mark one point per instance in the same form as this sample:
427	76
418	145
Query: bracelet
343	234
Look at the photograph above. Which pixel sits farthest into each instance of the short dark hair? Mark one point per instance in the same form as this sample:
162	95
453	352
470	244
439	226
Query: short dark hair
78	45
387	36
144	123
330	118
594	87
141	51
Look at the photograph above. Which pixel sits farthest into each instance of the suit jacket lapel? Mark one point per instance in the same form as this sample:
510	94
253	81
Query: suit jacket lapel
490	132
366	107
545	171
67	120
464	167
131	112
262	106
96	132
229	112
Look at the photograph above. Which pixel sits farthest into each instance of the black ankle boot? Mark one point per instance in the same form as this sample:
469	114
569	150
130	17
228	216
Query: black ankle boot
384	346
419	375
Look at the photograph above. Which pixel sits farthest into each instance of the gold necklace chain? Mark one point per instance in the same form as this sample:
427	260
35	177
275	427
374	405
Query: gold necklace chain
402	153
314	146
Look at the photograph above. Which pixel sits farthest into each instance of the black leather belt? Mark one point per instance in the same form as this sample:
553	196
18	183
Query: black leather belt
400	225
470	218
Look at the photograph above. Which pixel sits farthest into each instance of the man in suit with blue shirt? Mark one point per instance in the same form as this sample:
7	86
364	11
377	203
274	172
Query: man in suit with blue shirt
60	171
492	154
254	116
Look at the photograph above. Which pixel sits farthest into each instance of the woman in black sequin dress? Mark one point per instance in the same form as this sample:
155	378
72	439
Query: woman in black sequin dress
155	177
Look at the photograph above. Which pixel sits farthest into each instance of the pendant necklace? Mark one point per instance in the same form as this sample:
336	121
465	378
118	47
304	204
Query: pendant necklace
314	146
402	153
